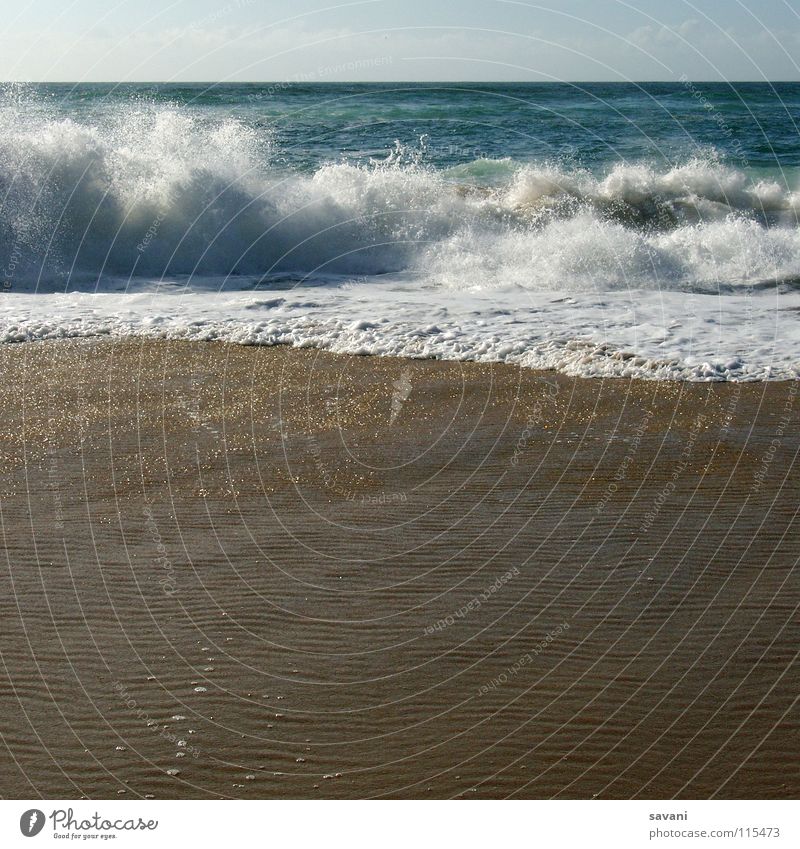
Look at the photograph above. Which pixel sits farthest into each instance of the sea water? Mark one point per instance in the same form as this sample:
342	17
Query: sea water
645	230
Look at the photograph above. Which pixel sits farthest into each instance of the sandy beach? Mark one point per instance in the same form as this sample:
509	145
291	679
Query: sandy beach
266	572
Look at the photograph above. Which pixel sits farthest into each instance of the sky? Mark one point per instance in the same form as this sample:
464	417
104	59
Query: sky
392	40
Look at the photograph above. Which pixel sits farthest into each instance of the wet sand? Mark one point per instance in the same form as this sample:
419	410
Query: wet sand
286	573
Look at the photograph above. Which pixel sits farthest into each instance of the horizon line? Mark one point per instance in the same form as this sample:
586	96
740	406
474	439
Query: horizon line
287	81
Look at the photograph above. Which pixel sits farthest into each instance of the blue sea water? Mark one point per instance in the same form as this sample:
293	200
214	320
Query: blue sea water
754	125
599	228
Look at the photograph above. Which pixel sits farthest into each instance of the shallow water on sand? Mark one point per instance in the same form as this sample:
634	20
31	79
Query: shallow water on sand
292	574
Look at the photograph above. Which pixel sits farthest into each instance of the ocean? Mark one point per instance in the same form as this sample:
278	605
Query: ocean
620	230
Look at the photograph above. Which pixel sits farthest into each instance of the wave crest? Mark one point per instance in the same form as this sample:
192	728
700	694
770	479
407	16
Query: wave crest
155	192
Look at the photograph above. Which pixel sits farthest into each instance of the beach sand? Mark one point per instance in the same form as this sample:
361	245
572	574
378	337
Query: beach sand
286	573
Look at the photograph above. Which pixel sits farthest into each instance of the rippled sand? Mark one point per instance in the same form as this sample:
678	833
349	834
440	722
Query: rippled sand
285	573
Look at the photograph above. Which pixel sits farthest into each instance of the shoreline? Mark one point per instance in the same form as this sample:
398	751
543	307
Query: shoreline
332	576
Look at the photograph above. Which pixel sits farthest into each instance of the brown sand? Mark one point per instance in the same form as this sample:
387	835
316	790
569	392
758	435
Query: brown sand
392	578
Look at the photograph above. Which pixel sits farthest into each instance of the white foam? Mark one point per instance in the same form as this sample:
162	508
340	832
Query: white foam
654	335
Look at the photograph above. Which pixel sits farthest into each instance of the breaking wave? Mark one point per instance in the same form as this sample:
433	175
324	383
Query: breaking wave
152	192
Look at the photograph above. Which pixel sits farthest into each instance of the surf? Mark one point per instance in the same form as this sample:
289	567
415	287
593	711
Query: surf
153	191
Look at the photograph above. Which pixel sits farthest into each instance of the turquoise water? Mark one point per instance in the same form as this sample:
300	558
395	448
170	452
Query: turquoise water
591	124
551	225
